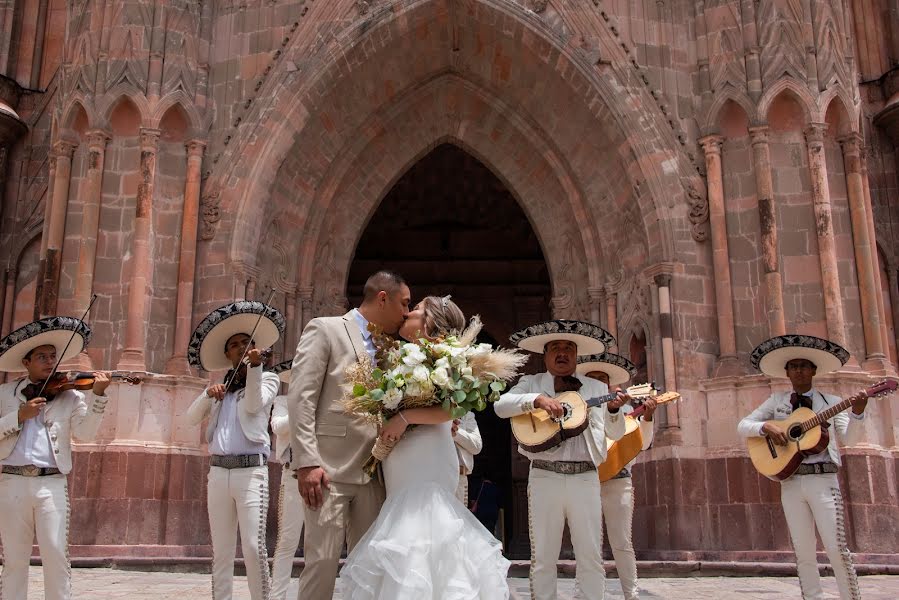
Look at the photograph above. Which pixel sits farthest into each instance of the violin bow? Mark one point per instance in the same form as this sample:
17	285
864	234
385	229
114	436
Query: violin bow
63	353
247	348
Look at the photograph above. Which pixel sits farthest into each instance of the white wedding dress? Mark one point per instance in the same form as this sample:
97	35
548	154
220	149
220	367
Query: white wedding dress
425	544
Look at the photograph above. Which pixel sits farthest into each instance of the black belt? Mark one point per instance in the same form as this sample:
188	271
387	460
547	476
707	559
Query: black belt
564	467
238	461
30	471
816	468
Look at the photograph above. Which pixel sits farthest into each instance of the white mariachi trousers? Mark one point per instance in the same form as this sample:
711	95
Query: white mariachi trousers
238	498
291	514
29	507
618	511
810	501
554	498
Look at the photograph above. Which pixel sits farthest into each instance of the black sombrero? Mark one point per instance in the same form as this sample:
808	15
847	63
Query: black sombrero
282	370
52	331
590	338
618	368
771	356
207	344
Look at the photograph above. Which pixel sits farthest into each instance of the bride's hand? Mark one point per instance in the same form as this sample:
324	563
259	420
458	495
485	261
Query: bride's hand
393	429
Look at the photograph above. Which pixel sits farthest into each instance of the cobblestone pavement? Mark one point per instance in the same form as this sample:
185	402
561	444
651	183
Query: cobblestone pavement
112	584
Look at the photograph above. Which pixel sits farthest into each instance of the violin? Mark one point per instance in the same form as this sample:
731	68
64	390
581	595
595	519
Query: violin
237	381
73	380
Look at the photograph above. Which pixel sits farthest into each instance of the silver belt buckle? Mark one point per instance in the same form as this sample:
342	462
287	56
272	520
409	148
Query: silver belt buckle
31	471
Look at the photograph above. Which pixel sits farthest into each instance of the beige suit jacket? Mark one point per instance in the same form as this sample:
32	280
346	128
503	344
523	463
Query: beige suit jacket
321	434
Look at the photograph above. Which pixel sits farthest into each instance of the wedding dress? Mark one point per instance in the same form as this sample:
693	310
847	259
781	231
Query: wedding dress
425	544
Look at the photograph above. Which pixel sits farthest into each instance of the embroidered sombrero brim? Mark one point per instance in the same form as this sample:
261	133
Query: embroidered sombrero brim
589	338
618	368
207	344
52	331
282	370
771	356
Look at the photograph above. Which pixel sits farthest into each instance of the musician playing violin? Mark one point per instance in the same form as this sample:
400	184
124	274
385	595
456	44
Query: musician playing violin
36	451
238	412
811	497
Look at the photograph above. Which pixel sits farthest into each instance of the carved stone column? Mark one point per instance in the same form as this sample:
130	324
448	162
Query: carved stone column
9	300
666	329
724	297
894	300
187	260
291	317
596	296
830	280
864	259
56	226
761	162
875	257
305	295
612	318
134	355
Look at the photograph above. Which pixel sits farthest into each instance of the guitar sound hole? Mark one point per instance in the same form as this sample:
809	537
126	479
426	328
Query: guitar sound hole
795	432
566	414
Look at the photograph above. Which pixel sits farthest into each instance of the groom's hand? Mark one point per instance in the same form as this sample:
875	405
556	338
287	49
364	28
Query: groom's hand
310	481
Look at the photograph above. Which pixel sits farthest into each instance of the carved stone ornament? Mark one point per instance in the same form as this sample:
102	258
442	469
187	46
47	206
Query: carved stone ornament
699	209
211	214
538	6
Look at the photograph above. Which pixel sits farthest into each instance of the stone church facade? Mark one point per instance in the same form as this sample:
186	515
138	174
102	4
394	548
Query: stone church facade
694	176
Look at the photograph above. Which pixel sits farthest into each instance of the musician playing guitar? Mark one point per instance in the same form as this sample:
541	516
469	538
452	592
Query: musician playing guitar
618	492
563	482
811	496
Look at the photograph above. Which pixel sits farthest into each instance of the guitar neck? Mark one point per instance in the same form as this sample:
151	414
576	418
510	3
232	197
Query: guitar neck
600	400
826	414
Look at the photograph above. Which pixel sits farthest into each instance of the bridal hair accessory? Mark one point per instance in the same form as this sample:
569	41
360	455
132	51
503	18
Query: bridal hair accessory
454	372
445	300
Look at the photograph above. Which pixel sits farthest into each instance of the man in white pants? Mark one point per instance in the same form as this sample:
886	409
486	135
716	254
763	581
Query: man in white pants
811	497
237	434
36	452
618	492
563	484
468	441
290	504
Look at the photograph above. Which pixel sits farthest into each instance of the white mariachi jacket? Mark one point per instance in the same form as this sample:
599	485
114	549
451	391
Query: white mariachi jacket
254	404
70	413
520	400
281	427
468	442
778	407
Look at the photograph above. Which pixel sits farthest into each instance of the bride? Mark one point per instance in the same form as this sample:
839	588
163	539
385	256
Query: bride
425	544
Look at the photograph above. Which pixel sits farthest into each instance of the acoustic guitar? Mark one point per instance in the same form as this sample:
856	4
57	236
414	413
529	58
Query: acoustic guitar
538	430
621	452
807	437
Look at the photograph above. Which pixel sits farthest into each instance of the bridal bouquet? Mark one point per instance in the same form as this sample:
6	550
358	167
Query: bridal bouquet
454	372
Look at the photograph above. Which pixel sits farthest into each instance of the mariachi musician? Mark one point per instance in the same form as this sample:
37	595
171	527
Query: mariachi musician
237	433
38	419
618	492
811	497
562	484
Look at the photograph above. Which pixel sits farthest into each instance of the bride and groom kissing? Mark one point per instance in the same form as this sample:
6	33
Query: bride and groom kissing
408	537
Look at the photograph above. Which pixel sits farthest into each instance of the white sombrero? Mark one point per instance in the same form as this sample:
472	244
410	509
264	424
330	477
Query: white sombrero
771	356
52	331
207	344
618	368
282	370
590	338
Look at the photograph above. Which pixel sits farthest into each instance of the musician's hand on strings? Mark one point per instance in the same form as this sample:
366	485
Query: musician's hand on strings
550	405
101	382
254	356
620	400
777	435
649	407
216	391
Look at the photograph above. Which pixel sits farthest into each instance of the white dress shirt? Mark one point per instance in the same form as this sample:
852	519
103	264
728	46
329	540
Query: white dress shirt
33	445
366	334
229	438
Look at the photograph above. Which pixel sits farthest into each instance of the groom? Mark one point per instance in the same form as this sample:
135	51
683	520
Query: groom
329	447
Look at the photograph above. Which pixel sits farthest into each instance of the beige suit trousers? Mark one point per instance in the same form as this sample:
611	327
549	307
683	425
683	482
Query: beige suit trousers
810	501
35	507
346	514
